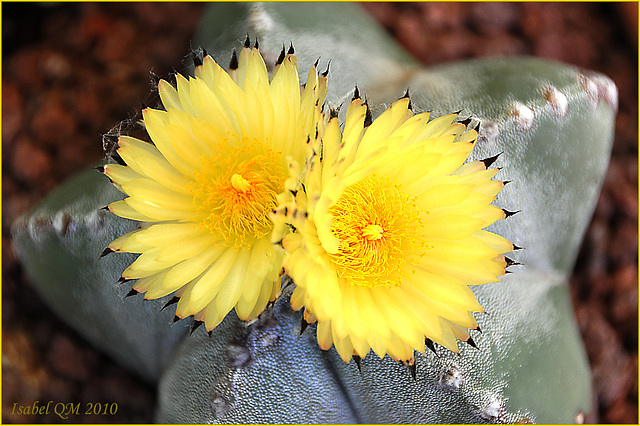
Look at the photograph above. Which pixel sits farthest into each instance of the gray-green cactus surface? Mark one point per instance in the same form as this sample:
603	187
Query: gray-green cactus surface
266	372
553	125
60	243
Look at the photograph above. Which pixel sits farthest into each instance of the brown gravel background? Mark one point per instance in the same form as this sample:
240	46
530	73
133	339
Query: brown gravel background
70	72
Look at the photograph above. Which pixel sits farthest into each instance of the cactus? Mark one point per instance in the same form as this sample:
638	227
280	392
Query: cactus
553	125
60	243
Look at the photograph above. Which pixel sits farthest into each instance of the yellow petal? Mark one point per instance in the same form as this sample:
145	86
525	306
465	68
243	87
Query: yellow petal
399	322
144	284
213	317
353	314
344	348
325	340
263	259
154	122
185	271
451	226
122	209
147	189
186	248
499	244
227	299
184	93
166	234
154	211
208	286
323	287
266	291
384	125
120	174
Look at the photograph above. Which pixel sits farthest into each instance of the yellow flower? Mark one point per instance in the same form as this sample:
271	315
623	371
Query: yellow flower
389	233
205	186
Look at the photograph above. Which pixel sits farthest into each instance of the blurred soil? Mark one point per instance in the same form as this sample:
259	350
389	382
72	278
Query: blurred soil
73	71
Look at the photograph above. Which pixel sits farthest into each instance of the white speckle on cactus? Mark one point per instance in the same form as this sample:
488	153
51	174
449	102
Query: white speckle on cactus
451	377
238	356
220	405
267	339
492	408
489	131
264	332
95	221
612	94
591	88
522	114
599	87
62	223
259	19
607	90
36	227
579	420
558	100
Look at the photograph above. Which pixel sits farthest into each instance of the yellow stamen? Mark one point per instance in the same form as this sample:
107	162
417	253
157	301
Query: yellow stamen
239	183
377	225
372	232
235	191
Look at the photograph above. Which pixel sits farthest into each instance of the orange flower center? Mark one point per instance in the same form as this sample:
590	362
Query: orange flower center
377	225
236	189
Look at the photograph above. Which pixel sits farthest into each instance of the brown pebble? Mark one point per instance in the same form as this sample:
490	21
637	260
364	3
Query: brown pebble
410	35
622	182
116	44
383	12
494	18
624	306
52	123
94	25
68	359
12	112
56	67
623	247
30	162
497	43
23	375
442	17
25	68
621	410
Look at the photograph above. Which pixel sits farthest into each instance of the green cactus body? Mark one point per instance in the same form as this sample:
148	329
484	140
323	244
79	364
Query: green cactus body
60	243
267	372
553	125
